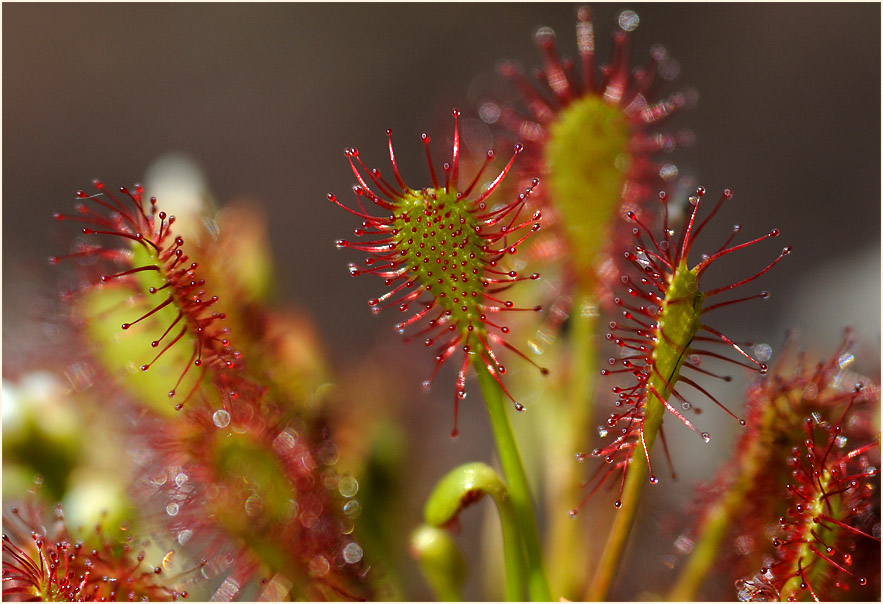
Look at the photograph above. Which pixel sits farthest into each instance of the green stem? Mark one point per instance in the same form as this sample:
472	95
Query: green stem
622	524
704	554
513	554
635	479
516	481
567	552
463	486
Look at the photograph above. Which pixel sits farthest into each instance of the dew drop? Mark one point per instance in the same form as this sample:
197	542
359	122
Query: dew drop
221	418
654	480
573	513
427	385
545	35
862	581
668	172
706	436
628	20
172	509
352	508
617	504
254	506
348	486
352	553
763	352
845	360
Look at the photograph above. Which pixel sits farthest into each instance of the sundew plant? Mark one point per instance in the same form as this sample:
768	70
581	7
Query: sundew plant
522	302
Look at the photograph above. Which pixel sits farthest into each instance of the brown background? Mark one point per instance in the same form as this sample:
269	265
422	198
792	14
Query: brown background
266	97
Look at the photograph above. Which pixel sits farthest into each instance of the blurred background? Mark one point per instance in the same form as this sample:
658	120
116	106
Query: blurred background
264	98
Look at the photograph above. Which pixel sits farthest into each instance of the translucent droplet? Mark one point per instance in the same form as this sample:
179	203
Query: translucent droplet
352	553
254	506
686	406
628	20
763	352
845	360
668	172
759	588
221	418
81	375
840	441
172	509
168	558
744	545
352	508
544	34
706	436
684	544
227	591
489	112
184	536
602	431
348	486
319	566
285	441
180	479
